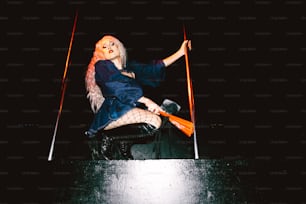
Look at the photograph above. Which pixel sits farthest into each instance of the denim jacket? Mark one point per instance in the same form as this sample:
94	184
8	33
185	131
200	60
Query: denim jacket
121	92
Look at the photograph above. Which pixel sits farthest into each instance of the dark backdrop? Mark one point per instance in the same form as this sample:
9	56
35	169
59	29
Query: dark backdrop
247	67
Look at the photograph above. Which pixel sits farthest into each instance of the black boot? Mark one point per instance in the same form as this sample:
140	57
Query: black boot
147	129
94	146
100	146
106	147
125	150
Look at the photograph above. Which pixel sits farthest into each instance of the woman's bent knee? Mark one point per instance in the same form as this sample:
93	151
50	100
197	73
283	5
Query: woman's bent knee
157	122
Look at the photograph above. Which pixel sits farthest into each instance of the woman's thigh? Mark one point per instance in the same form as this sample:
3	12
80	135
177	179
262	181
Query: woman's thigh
136	115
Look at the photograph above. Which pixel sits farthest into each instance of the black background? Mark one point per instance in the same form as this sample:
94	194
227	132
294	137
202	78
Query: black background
247	67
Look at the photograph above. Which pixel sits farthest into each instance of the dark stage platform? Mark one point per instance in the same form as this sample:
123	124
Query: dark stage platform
157	181
230	170
154	181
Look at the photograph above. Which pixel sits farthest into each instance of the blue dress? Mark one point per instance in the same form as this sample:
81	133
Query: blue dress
121	93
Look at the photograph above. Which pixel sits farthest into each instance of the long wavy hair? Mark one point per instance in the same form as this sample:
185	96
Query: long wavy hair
94	93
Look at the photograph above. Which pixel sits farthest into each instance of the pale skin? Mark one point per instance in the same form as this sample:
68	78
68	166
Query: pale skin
111	52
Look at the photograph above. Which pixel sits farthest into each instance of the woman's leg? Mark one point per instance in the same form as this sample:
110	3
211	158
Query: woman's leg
136	115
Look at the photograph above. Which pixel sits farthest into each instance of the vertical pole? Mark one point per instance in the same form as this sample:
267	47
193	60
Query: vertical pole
63	89
191	98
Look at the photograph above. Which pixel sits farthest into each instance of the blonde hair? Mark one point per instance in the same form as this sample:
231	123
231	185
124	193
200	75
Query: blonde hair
94	93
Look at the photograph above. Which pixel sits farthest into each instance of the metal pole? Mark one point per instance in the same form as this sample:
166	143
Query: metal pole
191	98
63	89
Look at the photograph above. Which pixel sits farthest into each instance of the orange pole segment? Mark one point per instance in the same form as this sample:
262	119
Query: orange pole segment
189	83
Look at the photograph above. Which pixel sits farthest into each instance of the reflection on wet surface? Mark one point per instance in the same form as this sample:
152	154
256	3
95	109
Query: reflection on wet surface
225	173
158	181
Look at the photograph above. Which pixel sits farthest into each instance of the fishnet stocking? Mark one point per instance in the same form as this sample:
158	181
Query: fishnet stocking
136	115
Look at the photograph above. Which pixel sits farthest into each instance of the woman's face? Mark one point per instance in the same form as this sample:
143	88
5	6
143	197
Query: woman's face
110	48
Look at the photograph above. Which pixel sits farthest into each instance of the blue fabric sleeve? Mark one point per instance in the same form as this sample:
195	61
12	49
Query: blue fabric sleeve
151	74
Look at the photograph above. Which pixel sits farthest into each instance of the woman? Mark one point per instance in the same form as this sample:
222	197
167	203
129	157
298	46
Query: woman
114	87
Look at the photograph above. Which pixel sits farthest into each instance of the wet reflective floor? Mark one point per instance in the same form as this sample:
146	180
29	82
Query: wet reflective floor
154	181
219	176
159	181
183	181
